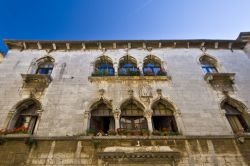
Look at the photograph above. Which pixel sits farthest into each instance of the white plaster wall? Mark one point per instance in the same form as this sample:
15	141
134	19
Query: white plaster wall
70	93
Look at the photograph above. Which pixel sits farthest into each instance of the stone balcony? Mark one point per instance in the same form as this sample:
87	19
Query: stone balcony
221	81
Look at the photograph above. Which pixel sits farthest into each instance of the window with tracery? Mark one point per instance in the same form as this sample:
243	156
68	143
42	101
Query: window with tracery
132	116
45	66
152	66
163	118
235	118
103	67
25	117
102	119
208	64
128	66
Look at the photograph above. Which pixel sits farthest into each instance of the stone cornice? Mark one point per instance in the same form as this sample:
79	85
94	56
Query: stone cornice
51	45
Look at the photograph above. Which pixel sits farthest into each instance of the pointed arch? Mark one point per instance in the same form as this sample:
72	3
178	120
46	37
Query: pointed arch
163	116
102	119
152	66
25	115
236	114
208	64
45	65
128	66
132	115
103	66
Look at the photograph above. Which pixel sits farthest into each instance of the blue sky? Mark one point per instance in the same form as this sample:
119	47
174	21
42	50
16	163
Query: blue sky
123	19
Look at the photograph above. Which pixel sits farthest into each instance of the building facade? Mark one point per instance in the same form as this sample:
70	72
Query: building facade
178	102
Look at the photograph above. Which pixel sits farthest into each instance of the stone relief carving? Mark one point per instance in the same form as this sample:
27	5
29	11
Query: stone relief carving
145	93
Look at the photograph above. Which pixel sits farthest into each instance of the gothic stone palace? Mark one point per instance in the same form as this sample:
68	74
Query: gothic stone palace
135	102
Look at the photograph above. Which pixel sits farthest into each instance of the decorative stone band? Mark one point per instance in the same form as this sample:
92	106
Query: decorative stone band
129	78
141	152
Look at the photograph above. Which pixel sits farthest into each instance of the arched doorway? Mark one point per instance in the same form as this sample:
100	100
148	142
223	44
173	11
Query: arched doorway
132	117
25	116
163	116
102	119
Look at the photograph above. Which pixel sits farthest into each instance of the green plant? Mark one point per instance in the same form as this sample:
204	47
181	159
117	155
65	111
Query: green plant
173	133
145	132
121	131
156	132
161	73
95	144
91	132
30	142
111	132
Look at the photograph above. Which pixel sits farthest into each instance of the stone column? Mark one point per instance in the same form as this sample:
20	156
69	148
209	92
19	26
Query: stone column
117	114
38	120
140	66
148	116
116	68
179	122
86	121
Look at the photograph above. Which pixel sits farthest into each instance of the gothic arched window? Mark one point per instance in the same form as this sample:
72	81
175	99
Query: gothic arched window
235	118
208	64
128	66
25	116
45	65
102	119
152	66
103	67
132	116
163	118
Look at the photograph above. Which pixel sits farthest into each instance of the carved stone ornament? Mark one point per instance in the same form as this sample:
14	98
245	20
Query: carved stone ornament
130	93
145	91
117	113
101	92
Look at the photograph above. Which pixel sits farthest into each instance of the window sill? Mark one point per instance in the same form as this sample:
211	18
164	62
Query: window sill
128	78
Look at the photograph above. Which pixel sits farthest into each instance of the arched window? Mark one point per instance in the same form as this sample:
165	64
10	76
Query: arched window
103	67
152	66
102	119
208	64
132	115
45	65
128	66
235	118
163	118
25	116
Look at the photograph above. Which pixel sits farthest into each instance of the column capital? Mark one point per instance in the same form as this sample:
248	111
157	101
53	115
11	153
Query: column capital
86	114
117	113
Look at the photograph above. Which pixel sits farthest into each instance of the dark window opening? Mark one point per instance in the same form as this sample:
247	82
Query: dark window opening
162	123
235	118
102	124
